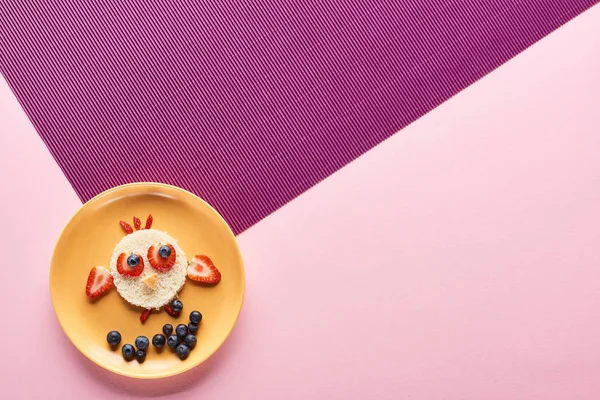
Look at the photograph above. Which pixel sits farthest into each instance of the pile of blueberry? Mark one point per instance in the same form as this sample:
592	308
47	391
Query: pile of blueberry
182	340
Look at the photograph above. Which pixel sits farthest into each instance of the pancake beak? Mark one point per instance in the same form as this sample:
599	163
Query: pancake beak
150	281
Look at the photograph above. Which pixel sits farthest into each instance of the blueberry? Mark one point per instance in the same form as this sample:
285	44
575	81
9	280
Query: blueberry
142	343
181	330
164	251
158	340
193	328
195	317
128	352
183	351
168	329
133	260
190	341
177	305
172	341
140	355
113	338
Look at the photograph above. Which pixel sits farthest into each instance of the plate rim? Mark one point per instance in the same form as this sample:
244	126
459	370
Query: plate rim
165	374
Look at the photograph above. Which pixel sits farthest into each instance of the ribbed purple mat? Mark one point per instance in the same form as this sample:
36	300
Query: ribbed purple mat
247	103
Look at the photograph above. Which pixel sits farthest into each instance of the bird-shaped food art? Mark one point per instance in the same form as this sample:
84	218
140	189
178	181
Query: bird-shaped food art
148	268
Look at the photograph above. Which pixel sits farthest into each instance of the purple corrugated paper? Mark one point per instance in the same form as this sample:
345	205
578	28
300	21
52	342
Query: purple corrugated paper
246	103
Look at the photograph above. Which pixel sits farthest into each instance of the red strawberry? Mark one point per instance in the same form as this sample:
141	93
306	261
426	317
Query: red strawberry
202	269
137	223
99	281
125	269
158	262
126	227
171	312
145	315
149	222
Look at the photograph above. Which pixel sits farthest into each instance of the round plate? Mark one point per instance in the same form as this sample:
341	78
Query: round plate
88	240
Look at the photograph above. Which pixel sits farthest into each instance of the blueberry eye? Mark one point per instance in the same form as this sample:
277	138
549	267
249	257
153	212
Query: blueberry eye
164	251
133	260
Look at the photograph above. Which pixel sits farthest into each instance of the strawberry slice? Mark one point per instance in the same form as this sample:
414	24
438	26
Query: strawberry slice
149	222
162	257
98	282
126	269
145	315
171	312
202	269
126	227
137	223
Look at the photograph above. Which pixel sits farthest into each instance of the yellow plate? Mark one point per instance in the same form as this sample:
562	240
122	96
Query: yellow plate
88	240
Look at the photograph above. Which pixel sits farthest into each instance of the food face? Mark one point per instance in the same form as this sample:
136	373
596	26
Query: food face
148	268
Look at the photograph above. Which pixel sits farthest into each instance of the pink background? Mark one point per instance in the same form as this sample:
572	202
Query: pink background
457	260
